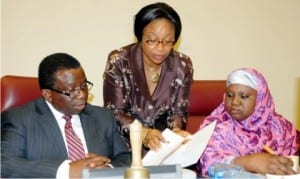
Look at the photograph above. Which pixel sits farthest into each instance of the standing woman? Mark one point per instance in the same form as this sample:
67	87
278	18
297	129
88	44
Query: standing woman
149	80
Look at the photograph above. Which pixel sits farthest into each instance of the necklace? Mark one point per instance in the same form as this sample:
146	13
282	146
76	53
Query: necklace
154	77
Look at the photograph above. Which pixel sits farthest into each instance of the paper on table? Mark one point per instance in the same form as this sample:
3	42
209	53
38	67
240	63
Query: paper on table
175	152
271	176
156	157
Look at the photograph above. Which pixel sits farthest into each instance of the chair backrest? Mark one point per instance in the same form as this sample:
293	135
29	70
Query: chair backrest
18	90
205	96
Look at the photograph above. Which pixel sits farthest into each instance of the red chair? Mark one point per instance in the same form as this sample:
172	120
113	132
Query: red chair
205	96
18	90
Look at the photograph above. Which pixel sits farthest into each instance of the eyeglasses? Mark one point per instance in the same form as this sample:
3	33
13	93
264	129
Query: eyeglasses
166	43
86	86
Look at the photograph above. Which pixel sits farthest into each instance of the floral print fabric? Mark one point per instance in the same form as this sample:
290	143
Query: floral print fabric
232	138
126	93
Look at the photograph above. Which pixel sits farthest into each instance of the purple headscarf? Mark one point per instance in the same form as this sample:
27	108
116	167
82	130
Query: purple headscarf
264	126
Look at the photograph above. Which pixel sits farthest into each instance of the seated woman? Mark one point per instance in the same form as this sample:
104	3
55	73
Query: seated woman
246	122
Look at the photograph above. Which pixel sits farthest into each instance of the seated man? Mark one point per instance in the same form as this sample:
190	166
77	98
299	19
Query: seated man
60	134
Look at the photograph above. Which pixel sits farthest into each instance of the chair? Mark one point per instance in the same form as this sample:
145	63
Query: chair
205	96
18	90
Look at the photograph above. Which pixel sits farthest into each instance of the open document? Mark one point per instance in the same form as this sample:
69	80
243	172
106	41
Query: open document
180	150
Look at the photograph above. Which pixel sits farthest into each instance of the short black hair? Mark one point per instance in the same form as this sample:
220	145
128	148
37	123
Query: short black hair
53	63
152	12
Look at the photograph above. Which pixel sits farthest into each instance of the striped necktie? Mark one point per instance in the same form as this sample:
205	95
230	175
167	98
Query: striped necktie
75	147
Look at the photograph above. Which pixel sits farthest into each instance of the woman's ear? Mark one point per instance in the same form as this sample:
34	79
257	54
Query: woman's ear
46	94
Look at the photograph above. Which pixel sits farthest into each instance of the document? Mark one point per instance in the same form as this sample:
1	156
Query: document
180	150
272	176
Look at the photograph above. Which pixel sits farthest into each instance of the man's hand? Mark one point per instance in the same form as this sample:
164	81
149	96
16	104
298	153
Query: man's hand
91	161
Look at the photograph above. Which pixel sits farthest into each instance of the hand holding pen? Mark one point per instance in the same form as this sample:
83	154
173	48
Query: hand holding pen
97	161
282	163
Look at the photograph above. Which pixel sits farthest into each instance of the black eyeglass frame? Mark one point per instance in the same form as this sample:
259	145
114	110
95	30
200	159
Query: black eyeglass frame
68	93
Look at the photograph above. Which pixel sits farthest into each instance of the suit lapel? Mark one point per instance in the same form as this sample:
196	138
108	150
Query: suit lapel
50	127
88	125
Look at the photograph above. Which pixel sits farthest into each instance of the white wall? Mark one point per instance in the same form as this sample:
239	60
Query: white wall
219	35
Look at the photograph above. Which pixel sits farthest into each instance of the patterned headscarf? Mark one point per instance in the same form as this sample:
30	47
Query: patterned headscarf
264	126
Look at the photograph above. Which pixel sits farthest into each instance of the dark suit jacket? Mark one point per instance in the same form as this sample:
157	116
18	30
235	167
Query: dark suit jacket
32	144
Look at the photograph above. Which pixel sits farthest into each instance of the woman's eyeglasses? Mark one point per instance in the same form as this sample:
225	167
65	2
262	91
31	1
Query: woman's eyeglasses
166	43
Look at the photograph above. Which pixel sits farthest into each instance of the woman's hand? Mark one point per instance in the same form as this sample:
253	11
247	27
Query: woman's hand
152	138
181	132
264	163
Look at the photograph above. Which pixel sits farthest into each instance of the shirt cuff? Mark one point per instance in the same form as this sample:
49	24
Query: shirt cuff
63	170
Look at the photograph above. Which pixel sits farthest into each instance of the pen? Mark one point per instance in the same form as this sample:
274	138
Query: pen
109	165
295	163
269	150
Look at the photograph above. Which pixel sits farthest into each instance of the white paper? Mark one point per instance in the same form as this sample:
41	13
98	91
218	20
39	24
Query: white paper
156	157
175	152
271	176
294	176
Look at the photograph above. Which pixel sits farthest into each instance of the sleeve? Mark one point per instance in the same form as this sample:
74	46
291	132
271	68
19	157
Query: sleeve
63	170
114	91
121	153
14	160
212	156
179	112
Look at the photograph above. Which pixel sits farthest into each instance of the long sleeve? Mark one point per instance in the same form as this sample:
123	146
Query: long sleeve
116	92
17	149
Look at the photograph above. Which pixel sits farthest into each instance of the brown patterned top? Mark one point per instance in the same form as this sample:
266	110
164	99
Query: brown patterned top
126	93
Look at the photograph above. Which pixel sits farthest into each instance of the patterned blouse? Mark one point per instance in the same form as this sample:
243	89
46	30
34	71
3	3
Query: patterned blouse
126	93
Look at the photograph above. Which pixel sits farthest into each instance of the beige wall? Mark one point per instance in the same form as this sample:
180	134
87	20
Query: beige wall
219	35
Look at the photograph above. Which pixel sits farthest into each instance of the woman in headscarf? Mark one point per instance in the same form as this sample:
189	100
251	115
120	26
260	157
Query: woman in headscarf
246	122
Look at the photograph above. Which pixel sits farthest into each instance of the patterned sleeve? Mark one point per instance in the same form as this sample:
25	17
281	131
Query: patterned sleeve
114	93
179	112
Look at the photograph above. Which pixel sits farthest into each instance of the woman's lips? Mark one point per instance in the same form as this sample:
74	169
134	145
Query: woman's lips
158	58
235	111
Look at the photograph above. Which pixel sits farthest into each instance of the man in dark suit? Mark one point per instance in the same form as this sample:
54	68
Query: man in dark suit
33	138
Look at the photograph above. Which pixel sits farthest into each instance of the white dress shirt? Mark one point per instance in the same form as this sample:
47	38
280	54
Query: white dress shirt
63	169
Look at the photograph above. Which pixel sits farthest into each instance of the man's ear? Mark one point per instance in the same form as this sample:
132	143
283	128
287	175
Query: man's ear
46	93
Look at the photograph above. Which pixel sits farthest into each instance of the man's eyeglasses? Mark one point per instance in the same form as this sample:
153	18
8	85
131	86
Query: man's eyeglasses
86	86
166	43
